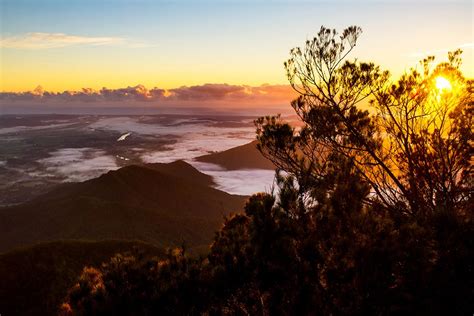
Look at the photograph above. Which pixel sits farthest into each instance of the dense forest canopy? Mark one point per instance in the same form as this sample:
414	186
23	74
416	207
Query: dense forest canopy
372	214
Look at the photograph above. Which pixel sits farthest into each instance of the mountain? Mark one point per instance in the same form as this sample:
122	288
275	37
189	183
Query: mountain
35	280
242	157
163	204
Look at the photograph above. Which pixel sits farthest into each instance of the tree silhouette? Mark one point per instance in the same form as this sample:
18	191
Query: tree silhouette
408	140
409	143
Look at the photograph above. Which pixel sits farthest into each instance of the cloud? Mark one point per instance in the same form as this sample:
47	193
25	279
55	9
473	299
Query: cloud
232	93
423	54
206	94
86	95
137	93
40	40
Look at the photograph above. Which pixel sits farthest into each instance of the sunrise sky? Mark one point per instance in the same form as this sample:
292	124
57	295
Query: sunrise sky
70	45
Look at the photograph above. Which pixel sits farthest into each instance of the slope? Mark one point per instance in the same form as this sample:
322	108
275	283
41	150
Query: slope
242	157
163	204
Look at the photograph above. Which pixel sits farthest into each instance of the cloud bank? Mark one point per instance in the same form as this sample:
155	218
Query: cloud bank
38	40
206	94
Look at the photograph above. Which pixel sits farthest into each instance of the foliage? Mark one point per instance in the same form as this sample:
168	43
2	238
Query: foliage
34	279
411	142
130	285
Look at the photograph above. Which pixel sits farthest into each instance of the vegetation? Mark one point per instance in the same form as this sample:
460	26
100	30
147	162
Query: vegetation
35	279
372	214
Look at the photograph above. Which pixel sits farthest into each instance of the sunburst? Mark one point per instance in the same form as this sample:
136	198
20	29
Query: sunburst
442	84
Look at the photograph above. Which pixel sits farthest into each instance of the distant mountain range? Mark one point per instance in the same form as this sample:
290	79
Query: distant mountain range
242	157
162	204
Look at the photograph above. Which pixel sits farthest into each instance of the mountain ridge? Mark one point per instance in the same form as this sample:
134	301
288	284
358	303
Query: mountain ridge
157	203
241	157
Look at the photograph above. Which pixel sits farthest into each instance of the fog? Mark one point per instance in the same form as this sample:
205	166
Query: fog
37	151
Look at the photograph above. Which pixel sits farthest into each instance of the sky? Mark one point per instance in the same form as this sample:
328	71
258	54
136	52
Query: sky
69	45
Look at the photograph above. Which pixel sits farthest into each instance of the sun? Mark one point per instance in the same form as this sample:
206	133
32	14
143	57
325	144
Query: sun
442	84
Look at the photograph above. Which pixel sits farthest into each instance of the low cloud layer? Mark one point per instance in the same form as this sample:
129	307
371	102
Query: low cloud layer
38	40
208	94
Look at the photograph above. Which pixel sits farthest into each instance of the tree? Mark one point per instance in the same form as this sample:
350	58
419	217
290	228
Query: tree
411	142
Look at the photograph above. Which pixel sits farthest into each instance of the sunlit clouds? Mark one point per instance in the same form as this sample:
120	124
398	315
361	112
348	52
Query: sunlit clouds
38	40
207	94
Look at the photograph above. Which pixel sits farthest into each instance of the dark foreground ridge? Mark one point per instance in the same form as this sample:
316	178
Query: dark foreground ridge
163	204
35	279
